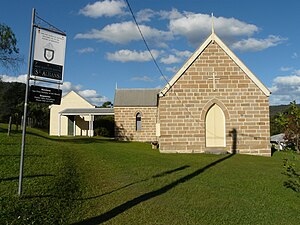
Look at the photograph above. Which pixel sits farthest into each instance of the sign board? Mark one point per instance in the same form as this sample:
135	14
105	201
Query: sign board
49	54
45	95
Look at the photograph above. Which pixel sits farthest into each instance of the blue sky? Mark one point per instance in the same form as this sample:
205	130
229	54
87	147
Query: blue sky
105	48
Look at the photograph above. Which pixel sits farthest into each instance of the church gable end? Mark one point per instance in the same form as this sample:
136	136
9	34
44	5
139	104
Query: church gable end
214	75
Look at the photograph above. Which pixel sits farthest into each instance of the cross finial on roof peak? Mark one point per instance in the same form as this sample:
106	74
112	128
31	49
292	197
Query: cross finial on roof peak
212	24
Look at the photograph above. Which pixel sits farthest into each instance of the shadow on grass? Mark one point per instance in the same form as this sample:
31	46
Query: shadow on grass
31	155
76	140
12	131
36	196
26	177
71	139
2	130
147	196
133	183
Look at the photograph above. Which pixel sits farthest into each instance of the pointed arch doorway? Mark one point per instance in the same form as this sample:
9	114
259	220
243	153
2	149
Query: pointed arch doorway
215	135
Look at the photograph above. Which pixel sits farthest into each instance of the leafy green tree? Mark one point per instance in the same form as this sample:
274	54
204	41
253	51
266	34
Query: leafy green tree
39	114
275	128
9	53
107	104
104	126
11	100
290	123
12	104
293	175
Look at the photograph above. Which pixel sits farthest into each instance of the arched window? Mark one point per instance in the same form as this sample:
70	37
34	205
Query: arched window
138	121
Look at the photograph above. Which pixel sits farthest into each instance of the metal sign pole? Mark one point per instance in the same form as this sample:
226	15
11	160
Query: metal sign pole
25	105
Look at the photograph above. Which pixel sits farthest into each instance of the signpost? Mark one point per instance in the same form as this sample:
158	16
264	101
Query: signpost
49	54
45	95
48	63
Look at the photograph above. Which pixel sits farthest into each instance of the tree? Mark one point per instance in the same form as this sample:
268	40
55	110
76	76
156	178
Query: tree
290	122
107	104
12	104
11	100
275	128
9	53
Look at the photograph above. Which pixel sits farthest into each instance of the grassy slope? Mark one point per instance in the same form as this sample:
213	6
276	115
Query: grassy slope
89	181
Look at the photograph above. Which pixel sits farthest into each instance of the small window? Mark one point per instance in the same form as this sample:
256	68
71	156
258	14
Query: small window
138	121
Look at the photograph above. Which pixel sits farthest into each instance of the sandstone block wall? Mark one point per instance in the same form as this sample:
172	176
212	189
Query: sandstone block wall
125	123
183	109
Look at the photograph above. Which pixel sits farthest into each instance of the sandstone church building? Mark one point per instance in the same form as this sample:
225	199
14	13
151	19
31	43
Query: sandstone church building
213	103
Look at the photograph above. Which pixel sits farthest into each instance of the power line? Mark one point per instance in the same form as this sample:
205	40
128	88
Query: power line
160	71
147	46
155	62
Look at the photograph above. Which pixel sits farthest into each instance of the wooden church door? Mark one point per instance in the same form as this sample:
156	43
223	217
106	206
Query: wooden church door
215	127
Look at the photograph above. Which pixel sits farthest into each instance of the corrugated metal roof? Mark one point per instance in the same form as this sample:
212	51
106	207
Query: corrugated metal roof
87	111
278	138
136	97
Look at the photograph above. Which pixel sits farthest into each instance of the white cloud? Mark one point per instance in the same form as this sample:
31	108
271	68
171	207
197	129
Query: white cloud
252	44
182	54
85	50
145	15
285	69
295	55
142	78
163	78
173	69
170	59
126	55
68	86
99	100
285	89
296	72
105	8
288	80
197	26
90	95
20	78
171	15
125	32
176	57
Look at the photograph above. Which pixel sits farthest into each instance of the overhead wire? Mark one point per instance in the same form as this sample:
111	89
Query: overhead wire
154	60
159	69
145	42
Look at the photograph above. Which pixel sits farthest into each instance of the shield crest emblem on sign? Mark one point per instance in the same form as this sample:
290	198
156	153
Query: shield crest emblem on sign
48	54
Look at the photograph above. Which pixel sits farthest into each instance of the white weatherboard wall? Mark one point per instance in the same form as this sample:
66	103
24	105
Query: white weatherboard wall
70	100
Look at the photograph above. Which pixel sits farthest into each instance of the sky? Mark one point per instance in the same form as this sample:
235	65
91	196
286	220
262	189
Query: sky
105	50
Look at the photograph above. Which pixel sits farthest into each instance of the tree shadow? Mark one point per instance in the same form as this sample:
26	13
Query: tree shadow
233	134
18	155
36	196
147	196
76	140
2	130
122	134
133	183
25	177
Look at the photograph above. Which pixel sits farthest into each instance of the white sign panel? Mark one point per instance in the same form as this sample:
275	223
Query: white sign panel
49	54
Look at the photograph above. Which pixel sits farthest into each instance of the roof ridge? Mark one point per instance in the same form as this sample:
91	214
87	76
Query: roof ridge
138	89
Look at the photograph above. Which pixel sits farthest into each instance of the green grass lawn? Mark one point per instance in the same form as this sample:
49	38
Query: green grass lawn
97	180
